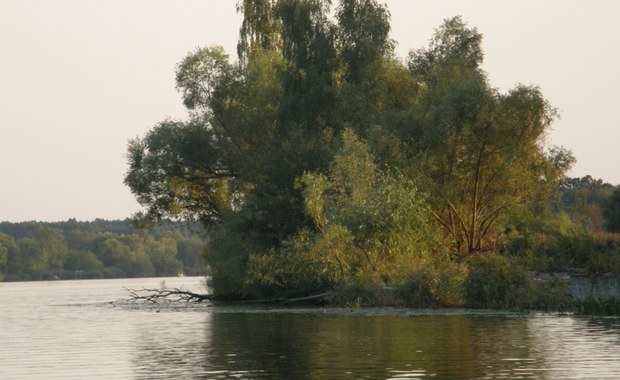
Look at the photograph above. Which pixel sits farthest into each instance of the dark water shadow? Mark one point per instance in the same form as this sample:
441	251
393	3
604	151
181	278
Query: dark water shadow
282	343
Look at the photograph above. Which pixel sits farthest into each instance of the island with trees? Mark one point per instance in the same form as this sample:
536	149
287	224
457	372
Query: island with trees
320	163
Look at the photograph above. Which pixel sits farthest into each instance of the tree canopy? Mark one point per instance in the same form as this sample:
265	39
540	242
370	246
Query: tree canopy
318	157
98	249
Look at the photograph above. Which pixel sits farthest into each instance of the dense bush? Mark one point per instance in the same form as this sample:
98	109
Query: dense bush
556	243
552	293
438	285
494	282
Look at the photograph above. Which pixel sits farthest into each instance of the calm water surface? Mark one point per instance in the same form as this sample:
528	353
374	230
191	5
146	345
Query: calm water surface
72	330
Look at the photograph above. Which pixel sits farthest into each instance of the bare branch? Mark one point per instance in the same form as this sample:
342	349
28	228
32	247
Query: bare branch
173	294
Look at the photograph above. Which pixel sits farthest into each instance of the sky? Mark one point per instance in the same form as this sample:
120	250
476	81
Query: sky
80	78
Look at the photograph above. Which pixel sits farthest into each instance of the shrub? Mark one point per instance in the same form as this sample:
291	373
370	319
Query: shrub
549	252
439	285
306	263
494	282
553	293
365	289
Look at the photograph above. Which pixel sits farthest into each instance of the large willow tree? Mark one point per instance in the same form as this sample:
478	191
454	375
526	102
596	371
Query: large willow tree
318	156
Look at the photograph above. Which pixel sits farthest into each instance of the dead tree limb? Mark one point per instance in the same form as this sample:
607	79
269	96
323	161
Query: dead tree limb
165	294
153	295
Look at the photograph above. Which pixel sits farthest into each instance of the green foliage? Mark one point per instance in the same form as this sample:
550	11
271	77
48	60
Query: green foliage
75	250
367	224
453	45
363	36
437	285
493	282
174	170
584	200
198	74
533	239
553	294
227	255
308	49
611	211
561	245
260	28
14	263
595	306
480	151
163	255
387	217
306	264
8	249
83	261
321	161
190	253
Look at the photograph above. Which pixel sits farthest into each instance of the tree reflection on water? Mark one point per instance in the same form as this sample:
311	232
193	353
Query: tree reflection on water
311	344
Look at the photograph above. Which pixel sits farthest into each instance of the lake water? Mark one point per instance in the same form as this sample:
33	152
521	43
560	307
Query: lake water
72	330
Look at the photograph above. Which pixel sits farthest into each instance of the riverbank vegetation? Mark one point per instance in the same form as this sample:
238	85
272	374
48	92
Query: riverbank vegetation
98	249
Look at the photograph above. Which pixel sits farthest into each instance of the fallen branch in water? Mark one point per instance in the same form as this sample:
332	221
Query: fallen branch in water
174	294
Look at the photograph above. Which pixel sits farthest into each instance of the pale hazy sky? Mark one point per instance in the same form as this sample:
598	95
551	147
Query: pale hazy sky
79	78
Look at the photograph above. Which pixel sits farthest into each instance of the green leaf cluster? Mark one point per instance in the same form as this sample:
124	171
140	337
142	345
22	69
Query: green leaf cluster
367	224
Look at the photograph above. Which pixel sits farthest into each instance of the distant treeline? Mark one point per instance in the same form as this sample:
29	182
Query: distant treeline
98	249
